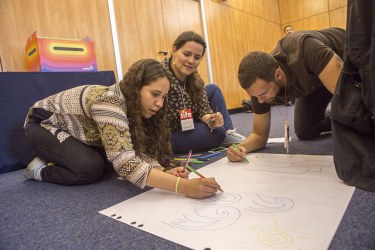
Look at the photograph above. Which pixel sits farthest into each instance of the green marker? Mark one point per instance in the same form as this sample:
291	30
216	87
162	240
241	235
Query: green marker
197	173
235	146
218	148
196	162
194	171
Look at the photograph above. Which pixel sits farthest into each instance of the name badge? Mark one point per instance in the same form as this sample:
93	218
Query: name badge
186	119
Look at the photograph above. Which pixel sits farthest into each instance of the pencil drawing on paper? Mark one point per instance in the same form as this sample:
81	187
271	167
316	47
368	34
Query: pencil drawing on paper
275	237
221	199
267	205
256	194
211	215
279	237
284	164
206	218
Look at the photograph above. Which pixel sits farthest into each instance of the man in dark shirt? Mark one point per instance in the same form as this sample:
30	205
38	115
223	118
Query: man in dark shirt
305	65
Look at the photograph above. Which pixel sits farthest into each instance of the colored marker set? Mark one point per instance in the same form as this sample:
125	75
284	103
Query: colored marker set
191	160
200	159
206	157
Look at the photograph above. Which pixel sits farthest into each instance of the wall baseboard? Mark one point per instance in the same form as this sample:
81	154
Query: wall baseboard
237	110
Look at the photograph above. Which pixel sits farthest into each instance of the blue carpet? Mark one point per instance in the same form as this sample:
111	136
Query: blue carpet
37	215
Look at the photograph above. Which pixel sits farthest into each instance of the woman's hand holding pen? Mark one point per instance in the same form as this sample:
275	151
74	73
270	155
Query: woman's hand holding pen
216	120
199	188
176	180
237	153
179	172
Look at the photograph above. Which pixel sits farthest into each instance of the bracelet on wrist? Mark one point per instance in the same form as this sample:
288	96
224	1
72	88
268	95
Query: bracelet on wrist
177	182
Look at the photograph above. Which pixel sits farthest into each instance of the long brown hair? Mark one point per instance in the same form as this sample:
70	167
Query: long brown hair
194	83
149	136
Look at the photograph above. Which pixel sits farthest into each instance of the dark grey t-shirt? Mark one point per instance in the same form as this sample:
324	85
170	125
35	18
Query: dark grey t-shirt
303	55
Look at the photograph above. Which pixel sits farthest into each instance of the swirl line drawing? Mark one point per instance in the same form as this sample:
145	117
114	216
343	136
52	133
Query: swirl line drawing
287	165
275	204
222	199
275	237
195	220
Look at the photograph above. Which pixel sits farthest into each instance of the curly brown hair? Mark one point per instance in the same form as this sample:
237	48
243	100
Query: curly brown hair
149	136
194	83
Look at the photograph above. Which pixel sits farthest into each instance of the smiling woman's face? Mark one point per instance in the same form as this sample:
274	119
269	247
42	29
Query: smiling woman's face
187	58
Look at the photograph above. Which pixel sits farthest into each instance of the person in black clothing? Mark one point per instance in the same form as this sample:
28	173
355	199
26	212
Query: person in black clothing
305	65
353	104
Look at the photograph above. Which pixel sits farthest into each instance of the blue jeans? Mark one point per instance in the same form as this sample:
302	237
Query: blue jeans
201	138
217	102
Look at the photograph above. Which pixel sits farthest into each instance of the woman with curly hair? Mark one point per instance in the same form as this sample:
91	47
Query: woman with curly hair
126	121
198	115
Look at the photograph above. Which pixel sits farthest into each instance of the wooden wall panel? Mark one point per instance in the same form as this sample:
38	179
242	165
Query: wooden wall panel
144	35
335	4
174	25
293	10
233	33
312	23
140	30
327	13
235	27
268	10
338	17
222	50
72	19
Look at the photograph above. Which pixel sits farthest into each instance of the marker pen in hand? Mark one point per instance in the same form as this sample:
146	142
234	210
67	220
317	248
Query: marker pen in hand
239	150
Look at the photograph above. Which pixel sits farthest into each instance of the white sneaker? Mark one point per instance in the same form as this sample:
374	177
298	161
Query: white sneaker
32	170
233	138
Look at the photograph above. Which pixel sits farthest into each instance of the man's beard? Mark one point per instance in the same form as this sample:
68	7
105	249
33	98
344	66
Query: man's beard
272	100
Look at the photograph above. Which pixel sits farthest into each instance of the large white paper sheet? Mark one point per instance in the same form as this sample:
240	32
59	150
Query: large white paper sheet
274	202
